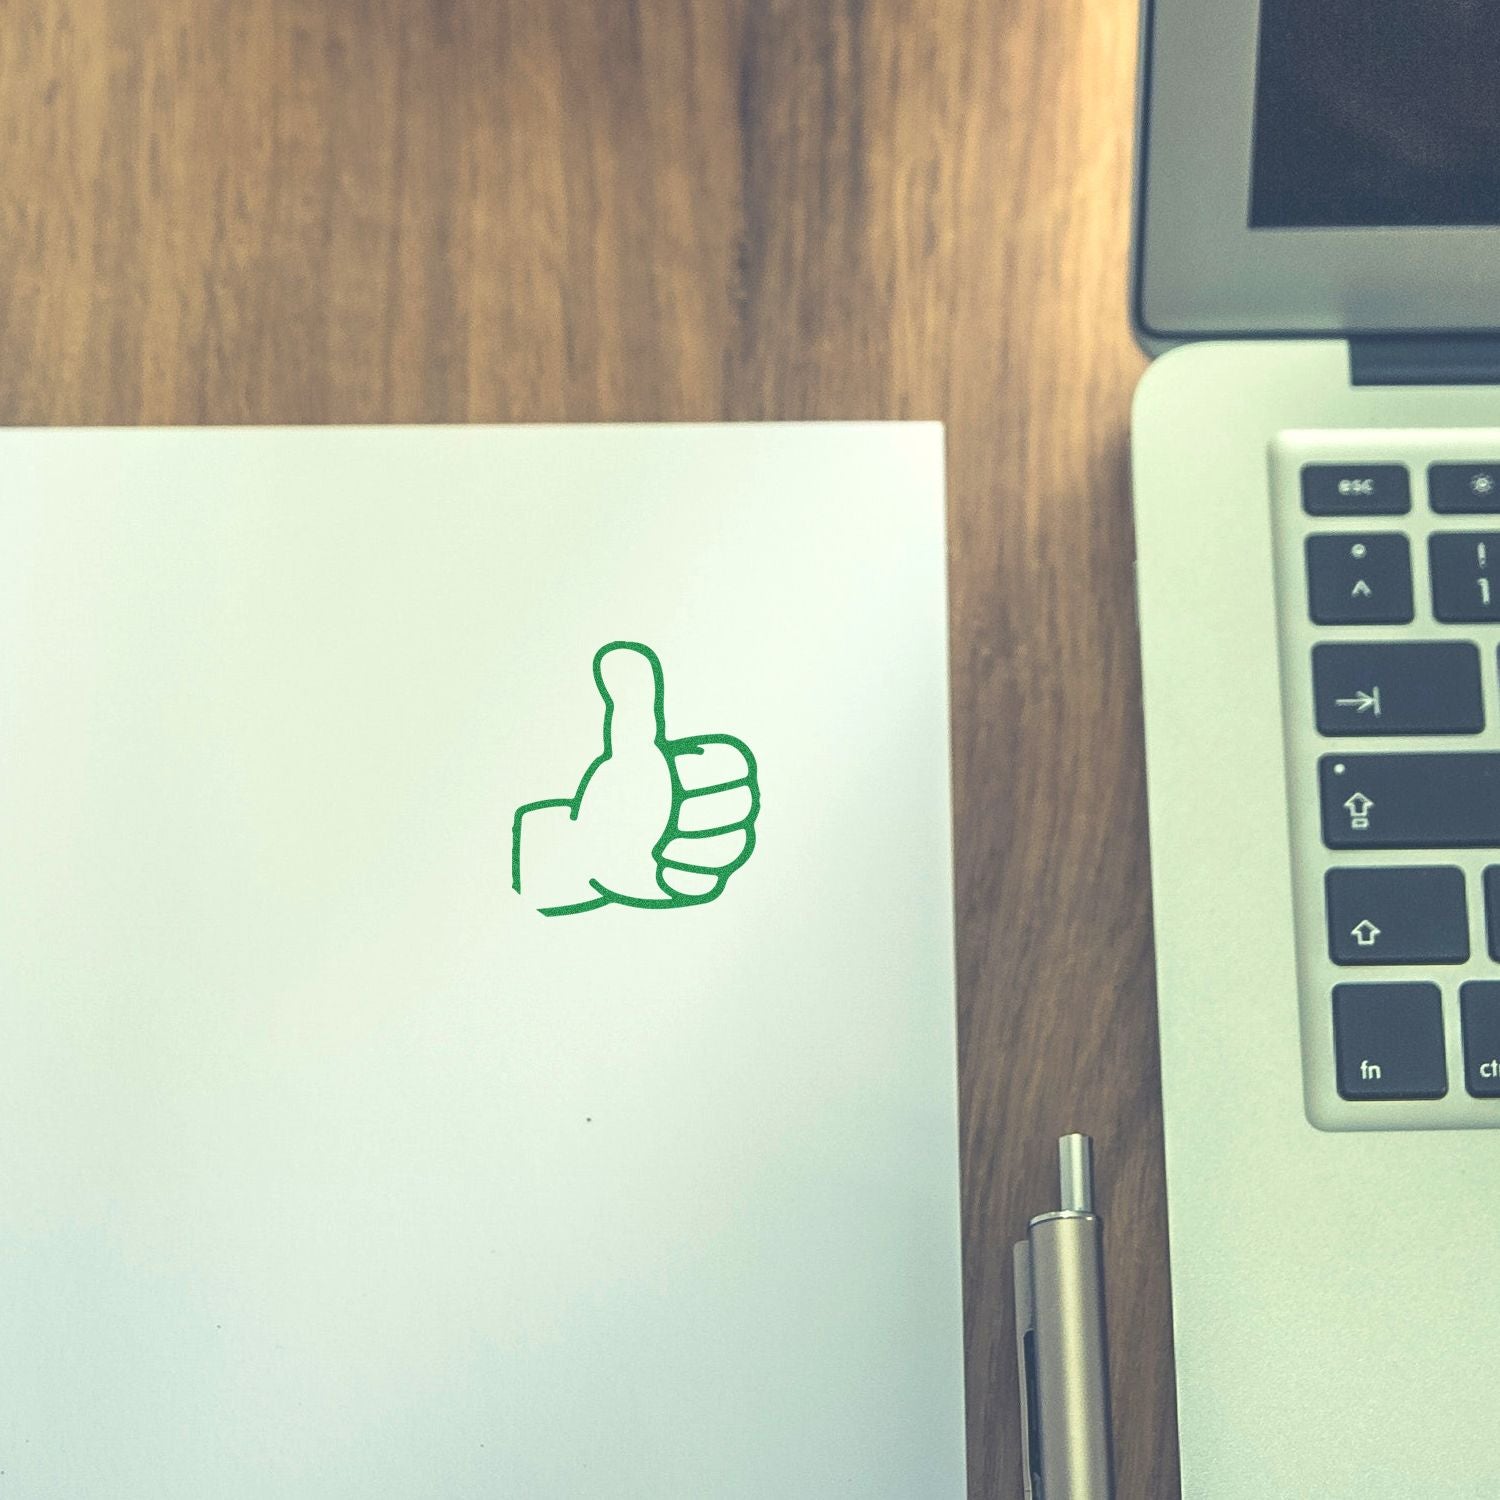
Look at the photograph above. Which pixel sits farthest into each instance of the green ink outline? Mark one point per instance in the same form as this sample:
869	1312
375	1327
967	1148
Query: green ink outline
671	750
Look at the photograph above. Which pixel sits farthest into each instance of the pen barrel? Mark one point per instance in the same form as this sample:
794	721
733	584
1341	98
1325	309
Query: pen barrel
1072	1367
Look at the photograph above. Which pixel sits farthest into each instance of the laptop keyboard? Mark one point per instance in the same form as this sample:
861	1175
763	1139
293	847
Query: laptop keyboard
1388	563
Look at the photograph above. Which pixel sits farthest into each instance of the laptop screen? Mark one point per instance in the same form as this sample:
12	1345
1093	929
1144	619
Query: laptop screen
1376	114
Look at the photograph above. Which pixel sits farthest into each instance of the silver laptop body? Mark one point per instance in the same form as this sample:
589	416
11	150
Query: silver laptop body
1317	494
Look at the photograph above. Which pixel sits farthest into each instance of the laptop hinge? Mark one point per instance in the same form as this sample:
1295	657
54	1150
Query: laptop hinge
1425	359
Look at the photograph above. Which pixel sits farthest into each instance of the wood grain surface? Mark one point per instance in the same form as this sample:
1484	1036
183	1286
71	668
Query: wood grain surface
571	210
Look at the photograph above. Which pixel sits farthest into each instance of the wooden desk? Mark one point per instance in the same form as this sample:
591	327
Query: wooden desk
511	210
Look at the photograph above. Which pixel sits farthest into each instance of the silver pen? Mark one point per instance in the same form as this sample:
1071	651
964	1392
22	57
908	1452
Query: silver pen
1060	1344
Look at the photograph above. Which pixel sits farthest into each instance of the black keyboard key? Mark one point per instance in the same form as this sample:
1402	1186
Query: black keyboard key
1492	909
1415	801
1394	915
1465	575
1464	489
1388	1039
1356	489
1408	687
1480	1002
1359	580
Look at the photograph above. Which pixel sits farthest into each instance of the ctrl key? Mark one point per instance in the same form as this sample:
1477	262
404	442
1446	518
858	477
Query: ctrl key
1480	1001
1389	1041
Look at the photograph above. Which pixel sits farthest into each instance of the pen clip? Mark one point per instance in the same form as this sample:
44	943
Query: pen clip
1031	1436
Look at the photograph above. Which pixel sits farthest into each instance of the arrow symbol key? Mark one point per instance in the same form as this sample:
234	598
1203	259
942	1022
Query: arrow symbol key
1396	914
1397	687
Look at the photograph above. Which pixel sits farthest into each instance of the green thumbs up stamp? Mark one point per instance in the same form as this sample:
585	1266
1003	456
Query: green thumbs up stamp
655	822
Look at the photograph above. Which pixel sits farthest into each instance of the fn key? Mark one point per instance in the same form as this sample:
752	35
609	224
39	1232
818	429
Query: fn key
1389	1041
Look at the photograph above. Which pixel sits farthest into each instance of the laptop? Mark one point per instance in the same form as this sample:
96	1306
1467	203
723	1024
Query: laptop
1316	455
476	965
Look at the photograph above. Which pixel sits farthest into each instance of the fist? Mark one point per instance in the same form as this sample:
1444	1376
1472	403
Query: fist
655	822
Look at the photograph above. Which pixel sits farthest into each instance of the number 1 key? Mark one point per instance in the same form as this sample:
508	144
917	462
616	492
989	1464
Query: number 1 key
1465	576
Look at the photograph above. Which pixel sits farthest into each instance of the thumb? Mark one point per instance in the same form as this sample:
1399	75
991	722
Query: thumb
630	682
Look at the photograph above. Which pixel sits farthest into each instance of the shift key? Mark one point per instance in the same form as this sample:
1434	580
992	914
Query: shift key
1419	801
